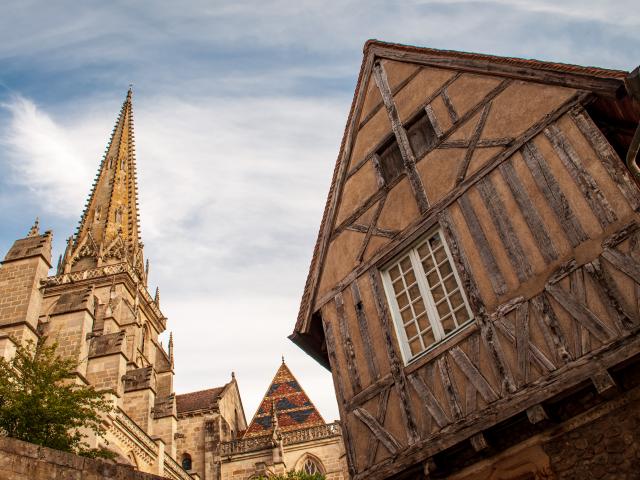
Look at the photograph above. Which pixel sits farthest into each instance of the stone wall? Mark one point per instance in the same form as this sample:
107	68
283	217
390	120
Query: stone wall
607	448
25	461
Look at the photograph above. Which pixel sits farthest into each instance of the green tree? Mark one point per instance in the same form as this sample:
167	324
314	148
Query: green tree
295	476
41	403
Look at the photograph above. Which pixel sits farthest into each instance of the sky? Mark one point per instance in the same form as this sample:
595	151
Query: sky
239	110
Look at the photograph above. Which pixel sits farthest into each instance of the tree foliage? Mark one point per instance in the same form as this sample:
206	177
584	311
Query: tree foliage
295	476
41	403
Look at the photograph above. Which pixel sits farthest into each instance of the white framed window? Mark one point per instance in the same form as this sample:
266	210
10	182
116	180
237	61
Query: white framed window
426	297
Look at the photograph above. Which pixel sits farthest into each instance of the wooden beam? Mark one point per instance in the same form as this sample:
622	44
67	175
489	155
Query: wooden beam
396	89
371	229
608	156
347	345
500	217
582	178
473	141
484	143
479	442
610	296
499	361
581	313
333	360
431	115
482	244
397	372
431	403
363	326
369	392
392	445
550	327
535	354
471	393
553	194
453	115
536	414
408	156
623	262
582	341
474	376
615	239
603	381
529	212
522	344
450	390
604	85
380	417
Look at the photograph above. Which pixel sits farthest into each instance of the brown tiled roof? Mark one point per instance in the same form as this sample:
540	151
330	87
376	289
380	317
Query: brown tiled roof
308	293
202	400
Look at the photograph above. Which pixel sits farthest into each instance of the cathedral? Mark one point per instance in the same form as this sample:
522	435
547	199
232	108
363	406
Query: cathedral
98	308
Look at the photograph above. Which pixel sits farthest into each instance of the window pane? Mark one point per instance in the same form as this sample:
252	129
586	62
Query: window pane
423	322
415	346
443	308
394	272
448	324
411	330
406	314
450	283
405	264
427	264
456	299
438	293
402	300
418	307
410	278
414	292
440	255
428	338
398	286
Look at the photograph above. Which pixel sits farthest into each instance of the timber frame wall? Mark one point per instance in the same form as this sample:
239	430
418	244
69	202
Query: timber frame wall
541	218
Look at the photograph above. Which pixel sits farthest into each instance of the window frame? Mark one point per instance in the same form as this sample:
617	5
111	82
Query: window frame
431	311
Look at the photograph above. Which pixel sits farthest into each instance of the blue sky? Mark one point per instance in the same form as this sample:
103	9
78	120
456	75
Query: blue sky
239	110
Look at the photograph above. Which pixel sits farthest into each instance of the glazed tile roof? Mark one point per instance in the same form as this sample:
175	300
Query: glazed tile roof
202	400
294	410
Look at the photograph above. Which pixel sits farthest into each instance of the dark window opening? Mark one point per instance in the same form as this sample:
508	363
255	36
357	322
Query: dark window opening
186	461
422	135
389	162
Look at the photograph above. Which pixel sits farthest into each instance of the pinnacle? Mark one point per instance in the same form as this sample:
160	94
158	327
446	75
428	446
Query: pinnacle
35	229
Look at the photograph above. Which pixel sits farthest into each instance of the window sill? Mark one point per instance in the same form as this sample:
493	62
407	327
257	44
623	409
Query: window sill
438	349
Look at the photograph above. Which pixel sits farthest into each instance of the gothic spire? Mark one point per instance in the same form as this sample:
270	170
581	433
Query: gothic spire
109	230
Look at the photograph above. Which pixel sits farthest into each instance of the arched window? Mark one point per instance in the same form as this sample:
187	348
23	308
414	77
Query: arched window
311	466
186	461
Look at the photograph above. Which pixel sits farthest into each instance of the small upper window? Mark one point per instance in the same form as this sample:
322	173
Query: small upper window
389	162
422	135
426	297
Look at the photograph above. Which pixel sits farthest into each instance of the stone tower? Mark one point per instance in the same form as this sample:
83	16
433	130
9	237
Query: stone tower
98	309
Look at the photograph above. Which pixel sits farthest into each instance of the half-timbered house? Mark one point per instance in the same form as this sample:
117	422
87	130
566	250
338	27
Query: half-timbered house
475	284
